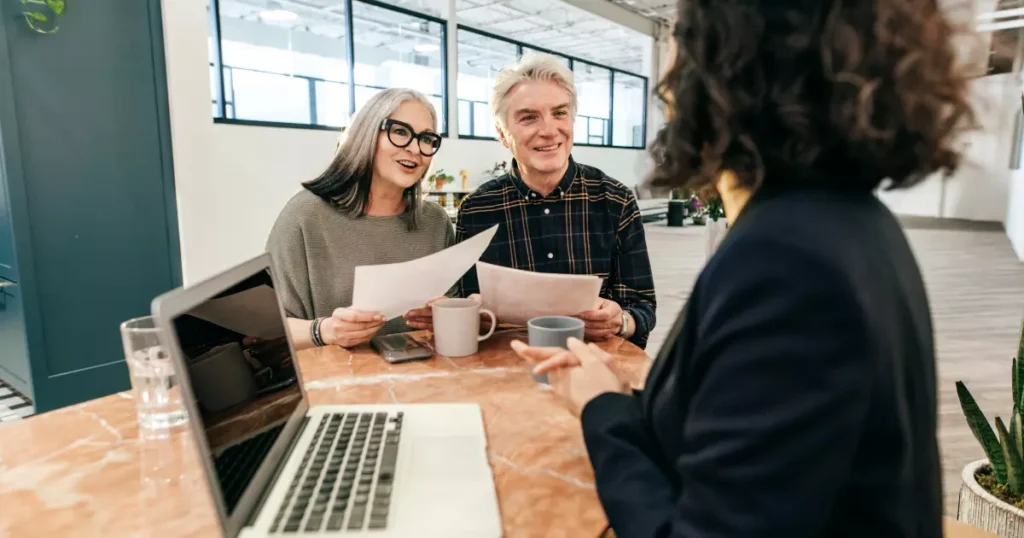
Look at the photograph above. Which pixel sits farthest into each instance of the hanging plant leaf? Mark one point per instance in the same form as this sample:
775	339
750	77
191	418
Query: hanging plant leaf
57	6
43	16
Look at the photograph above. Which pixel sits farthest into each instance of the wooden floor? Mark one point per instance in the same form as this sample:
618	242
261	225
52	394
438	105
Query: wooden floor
976	288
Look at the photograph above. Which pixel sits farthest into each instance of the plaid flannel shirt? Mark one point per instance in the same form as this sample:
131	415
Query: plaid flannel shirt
590	224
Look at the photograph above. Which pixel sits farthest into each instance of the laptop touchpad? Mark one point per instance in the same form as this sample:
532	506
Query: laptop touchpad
447	458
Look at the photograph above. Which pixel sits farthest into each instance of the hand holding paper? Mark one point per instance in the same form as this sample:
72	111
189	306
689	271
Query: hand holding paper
516	296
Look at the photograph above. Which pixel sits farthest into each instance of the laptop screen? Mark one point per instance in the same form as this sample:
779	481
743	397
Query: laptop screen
243	378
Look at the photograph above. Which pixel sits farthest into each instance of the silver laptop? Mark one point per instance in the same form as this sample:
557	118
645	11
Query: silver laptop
277	466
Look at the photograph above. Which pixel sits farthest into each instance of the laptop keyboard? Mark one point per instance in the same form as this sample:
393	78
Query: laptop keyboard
345	479
237	465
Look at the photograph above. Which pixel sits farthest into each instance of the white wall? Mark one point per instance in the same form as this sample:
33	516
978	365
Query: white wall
232	180
978	191
1015	214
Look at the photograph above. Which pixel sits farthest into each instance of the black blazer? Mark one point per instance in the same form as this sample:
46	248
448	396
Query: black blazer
796	393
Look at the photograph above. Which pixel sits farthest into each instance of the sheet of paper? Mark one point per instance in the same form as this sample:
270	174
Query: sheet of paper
516	296
252	312
396	288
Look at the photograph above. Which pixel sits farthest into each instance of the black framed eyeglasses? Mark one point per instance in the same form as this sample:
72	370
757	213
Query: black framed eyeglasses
401	134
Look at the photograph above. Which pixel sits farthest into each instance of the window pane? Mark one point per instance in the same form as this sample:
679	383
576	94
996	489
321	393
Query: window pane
280	60
214	92
593	86
628	119
211	59
364	93
480	59
465	120
394	50
483	122
579	129
331	103
529	49
271	97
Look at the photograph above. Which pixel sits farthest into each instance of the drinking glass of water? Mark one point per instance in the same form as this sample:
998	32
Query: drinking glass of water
156	394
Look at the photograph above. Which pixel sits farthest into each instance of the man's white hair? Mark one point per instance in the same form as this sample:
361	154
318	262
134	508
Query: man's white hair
532	66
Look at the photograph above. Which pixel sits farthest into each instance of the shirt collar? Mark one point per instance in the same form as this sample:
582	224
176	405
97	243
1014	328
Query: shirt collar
526	192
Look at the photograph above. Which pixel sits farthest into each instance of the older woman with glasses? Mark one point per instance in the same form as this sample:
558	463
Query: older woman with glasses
365	209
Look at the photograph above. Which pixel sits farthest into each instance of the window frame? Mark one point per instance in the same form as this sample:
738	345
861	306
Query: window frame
221	104
572	65
218	65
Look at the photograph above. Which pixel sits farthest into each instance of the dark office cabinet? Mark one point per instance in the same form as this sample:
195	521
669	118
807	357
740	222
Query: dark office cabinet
88	229
7	264
14	365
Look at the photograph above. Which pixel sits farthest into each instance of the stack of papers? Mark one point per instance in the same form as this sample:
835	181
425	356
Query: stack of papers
517	296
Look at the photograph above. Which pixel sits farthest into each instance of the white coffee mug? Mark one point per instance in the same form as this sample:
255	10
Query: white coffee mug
457	327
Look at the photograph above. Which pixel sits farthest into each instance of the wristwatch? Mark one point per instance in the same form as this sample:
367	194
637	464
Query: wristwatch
625	324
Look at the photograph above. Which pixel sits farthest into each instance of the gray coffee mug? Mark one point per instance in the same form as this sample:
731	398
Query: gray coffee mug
553	331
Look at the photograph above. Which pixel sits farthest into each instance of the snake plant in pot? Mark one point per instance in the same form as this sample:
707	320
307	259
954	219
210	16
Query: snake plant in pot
992	493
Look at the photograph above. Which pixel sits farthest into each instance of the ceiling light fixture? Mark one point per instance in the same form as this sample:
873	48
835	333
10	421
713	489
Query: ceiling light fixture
426	47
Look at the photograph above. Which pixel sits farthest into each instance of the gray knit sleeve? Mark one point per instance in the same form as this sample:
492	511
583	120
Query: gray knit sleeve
287	248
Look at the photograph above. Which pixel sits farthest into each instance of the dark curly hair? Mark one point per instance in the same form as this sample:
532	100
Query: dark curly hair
840	92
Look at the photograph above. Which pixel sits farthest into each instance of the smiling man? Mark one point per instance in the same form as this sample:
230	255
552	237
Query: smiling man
557	215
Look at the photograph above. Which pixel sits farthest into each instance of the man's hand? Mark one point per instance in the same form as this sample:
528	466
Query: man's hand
604	321
349	328
422	318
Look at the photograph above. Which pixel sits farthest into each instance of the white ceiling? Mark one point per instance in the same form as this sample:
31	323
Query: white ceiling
557	26
660	11
548	24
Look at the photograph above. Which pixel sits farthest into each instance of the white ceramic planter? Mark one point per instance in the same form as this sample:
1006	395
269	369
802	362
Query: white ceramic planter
981	509
716	230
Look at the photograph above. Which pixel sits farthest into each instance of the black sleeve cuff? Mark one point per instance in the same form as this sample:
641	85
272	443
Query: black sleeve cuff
606	408
642	329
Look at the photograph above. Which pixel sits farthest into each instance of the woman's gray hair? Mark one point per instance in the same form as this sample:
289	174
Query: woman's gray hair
532	66
346	182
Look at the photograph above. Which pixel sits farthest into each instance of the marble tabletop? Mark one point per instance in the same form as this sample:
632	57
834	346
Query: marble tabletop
85	471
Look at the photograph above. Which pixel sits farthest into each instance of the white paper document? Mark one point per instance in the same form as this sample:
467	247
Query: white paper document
516	296
252	312
394	289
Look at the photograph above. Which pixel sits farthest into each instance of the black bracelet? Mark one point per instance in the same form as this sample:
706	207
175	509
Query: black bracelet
314	332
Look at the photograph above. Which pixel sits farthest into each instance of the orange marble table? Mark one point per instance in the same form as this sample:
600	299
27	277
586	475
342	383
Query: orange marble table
85	471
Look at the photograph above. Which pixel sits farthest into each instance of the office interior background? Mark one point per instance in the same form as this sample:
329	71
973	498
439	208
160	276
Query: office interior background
251	99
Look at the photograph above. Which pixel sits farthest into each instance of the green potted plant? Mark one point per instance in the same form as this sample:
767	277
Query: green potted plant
992	489
439	179
718	226
698	212
499	169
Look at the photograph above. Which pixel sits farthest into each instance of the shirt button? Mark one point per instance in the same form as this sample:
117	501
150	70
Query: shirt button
547	211
551	255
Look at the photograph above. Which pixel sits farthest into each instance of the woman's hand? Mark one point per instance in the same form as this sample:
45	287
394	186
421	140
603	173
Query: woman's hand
349	328
579	375
422	318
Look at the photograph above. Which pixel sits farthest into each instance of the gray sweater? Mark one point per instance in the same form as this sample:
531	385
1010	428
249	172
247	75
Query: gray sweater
315	249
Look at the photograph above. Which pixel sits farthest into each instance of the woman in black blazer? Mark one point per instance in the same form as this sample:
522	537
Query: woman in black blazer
796	394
